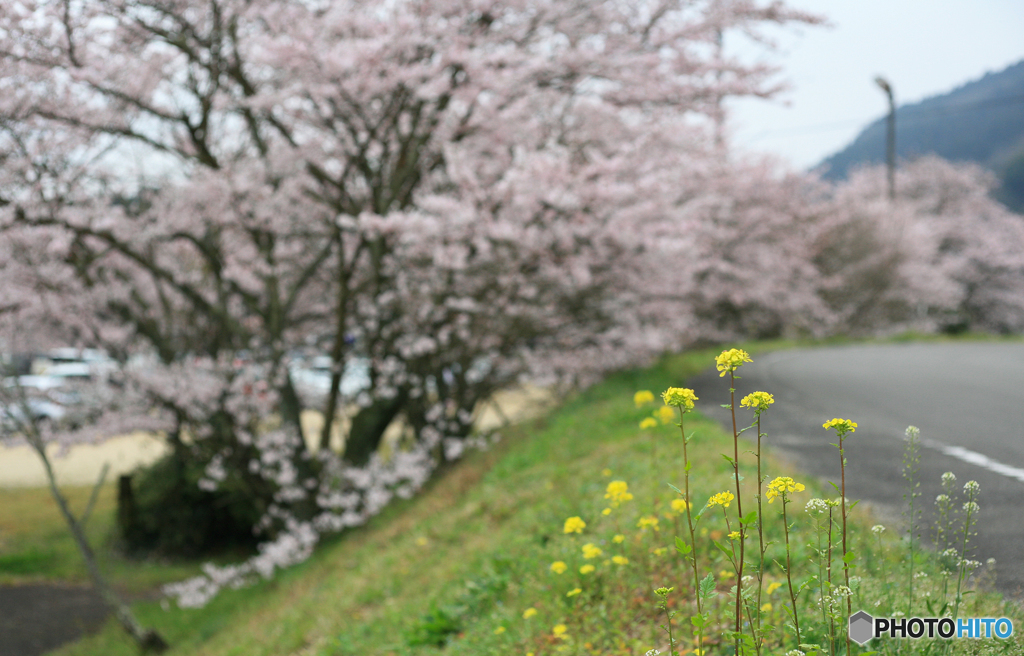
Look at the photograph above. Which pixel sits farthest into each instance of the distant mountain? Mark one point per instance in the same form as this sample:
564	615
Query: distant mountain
981	121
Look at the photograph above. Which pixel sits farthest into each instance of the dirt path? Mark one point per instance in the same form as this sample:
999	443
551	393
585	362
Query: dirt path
20	466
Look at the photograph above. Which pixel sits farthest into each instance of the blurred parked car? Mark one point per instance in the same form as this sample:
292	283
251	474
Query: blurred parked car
50	398
71	363
13	417
312	378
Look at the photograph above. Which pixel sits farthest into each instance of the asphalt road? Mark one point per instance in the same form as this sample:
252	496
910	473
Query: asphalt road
967	399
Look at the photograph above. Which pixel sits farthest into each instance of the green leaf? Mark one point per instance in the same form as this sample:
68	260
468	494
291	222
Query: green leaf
849	557
682	547
707	587
689	466
721	547
728	459
675	488
749	518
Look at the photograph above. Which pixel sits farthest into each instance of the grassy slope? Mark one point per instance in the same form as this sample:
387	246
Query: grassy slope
476	547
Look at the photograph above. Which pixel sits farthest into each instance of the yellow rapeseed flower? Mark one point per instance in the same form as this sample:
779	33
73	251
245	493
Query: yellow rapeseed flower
559	631
587	569
618	492
648	522
499	630
648	422
529	612
660	551
679	505
735	535
573	592
679	397
665	414
759	401
558	567
766	608
782	486
606	512
574	525
643	397
841	426
773	586
731	360
619	539
721	499
620	560
590	551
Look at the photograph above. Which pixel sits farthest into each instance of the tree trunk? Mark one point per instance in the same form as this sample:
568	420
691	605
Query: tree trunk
368	428
147	639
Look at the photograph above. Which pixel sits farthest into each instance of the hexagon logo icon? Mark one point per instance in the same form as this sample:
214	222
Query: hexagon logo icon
861	627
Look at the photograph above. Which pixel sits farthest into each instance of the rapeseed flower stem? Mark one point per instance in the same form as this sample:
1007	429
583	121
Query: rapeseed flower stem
689	524
785	488
842	427
760	526
735	360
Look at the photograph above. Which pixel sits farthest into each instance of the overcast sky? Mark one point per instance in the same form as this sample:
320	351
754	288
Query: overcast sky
923	47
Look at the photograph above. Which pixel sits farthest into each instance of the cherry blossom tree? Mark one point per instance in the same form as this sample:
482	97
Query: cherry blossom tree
298	137
462	193
942	255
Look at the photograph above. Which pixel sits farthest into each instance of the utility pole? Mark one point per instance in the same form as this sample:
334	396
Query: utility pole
890	141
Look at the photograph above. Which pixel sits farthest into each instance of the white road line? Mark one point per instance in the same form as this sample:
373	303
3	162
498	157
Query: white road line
978	459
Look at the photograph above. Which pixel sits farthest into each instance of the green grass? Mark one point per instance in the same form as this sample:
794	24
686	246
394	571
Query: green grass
36	546
460	563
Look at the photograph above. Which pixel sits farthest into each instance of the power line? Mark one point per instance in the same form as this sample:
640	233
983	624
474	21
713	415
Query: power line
808	129
907	113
